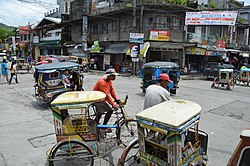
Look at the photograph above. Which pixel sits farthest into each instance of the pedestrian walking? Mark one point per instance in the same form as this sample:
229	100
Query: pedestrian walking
4	71
13	73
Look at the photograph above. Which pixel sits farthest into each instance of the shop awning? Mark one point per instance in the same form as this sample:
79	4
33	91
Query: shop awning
48	43
168	46
117	49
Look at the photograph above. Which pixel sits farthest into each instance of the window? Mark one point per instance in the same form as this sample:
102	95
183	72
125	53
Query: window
162	22
58	33
216	30
100	29
110	27
176	23
150	22
95	29
245	158
191	28
105	28
54	75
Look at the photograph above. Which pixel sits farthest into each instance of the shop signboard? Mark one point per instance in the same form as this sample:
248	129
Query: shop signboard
211	18
220	44
136	37
195	51
158	35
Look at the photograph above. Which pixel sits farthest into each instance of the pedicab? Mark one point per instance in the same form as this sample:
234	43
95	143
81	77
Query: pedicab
23	64
168	135
225	78
241	155
151	71
49	83
80	138
243	77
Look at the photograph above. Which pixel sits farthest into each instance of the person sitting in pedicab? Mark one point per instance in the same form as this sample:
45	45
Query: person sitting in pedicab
65	80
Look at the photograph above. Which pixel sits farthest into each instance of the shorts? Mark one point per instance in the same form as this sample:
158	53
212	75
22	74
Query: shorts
102	107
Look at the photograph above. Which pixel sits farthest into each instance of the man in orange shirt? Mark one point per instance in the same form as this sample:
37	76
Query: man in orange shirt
105	85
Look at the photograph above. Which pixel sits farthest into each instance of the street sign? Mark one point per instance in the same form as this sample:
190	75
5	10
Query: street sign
135	59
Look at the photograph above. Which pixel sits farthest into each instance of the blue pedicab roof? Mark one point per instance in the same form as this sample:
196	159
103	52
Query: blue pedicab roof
56	66
161	64
246	70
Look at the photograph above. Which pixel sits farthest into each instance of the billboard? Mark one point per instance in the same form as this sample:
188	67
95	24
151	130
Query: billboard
211	18
159	35
136	37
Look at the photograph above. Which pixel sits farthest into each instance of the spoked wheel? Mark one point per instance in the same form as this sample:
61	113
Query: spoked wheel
237	81
215	83
71	153
131	155
128	132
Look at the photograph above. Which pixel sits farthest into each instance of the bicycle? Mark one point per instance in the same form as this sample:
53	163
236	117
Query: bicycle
79	137
126	126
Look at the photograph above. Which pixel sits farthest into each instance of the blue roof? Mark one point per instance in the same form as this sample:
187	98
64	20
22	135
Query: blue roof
58	65
161	64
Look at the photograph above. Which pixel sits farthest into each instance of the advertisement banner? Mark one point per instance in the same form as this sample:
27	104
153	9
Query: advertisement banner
195	51
136	37
24	30
220	44
159	35
211	18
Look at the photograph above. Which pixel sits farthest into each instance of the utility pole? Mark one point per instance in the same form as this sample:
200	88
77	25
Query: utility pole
84	33
134	14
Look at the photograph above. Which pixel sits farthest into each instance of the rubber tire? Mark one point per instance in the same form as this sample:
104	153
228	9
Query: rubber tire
134	145
128	131
51	163
237	81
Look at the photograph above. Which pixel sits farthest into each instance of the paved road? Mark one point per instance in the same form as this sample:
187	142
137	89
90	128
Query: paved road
26	130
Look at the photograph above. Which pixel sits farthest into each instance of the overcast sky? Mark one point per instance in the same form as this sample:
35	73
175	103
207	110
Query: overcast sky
20	12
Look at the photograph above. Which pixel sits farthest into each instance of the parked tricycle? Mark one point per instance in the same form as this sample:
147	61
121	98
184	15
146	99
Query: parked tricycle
23	64
168	134
243	77
151	71
80	138
225	78
49	83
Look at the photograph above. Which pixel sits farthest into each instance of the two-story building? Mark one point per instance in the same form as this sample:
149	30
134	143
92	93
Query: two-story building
110	24
47	37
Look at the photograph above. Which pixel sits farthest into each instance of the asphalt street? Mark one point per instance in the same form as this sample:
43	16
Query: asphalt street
27	131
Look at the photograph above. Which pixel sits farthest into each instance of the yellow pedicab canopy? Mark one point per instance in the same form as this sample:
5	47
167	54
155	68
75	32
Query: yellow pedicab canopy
77	99
173	115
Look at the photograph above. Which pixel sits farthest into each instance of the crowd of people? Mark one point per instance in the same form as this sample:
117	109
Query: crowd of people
8	68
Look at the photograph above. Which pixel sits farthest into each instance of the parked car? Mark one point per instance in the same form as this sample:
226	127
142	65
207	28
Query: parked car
211	69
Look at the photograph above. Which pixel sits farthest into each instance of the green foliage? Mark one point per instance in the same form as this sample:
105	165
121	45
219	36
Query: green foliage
6	31
178	2
212	5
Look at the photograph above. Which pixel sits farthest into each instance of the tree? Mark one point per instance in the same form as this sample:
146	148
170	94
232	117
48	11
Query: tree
178	2
4	33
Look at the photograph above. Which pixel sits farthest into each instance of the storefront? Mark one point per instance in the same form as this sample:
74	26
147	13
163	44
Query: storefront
195	59
116	55
166	51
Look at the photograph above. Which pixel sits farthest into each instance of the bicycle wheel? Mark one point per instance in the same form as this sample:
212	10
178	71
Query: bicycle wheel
128	131
131	155
71	153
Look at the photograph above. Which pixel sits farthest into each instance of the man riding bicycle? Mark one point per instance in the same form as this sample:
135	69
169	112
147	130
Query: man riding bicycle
105	85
